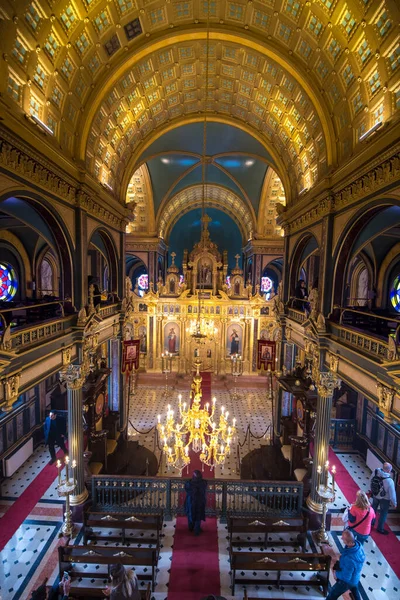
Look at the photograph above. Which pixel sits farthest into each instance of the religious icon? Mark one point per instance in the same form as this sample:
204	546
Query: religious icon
171	338
234	339
208	353
143	339
130	353
172	286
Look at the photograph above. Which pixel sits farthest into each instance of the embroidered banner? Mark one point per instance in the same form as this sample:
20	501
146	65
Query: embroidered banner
130	355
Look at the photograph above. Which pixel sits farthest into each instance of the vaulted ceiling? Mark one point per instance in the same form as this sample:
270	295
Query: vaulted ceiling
108	78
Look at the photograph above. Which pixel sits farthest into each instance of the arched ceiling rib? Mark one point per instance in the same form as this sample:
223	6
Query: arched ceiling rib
215	197
309	77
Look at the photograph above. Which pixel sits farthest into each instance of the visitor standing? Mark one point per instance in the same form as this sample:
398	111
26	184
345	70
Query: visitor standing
383	494
361	517
195	503
348	569
54	433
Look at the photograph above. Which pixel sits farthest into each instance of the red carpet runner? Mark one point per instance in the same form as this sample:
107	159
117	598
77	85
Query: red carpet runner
19	511
389	545
195	565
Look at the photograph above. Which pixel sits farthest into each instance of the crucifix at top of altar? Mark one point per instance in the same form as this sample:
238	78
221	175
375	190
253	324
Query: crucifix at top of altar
205	268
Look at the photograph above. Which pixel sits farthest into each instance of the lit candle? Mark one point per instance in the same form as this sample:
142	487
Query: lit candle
207	406
214	400
159	419
187	450
234	422
180	397
59	471
184	406
226	414
222	449
67	468
222	409
333	478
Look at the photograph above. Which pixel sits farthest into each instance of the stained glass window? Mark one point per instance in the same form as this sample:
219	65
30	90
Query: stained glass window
8	282
266	284
395	294
143	282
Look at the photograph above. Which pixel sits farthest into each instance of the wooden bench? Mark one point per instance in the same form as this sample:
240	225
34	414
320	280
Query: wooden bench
95	522
280	562
265	527
71	556
83	591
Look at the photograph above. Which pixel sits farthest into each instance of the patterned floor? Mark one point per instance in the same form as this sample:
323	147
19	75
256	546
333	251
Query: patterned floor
30	555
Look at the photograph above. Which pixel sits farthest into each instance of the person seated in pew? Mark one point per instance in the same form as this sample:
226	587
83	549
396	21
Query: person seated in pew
124	584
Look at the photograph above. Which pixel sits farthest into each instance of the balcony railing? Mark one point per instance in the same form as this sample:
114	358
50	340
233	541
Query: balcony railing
242	498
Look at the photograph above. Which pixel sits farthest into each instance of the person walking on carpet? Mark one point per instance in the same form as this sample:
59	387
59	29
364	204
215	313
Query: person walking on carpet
361	517
195	503
54	433
383	494
347	570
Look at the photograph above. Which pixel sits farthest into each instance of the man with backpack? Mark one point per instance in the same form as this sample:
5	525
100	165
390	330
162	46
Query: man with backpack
383	494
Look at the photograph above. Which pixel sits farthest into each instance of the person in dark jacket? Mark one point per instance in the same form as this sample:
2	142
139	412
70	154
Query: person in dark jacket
195	503
54	433
348	572
124	584
301	294
58	591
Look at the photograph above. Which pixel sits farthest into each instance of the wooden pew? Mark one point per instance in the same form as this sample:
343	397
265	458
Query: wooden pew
264	527
280	562
70	556
125	522
83	591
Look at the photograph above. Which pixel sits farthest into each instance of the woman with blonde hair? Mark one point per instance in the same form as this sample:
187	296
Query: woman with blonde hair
124	584
361	517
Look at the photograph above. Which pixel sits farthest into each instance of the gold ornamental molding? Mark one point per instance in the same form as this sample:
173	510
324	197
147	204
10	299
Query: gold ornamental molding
385	397
328	382
27	165
74	376
11	390
377	178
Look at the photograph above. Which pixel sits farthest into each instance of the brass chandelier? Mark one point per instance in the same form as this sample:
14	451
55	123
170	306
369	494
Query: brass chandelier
195	428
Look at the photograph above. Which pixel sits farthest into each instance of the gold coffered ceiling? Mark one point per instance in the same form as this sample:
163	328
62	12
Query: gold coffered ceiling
307	78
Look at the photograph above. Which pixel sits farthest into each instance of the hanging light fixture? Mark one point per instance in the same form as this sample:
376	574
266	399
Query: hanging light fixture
202	327
195	428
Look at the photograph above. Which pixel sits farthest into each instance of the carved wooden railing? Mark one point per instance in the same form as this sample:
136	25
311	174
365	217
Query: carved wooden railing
342	433
240	497
364	342
297	315
107	310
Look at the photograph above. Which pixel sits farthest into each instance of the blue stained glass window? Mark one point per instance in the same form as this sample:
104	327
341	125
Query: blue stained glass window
395	294
8	282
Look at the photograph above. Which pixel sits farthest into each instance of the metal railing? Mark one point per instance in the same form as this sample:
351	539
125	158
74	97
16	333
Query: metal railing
29	312
342	433
238	497
369	321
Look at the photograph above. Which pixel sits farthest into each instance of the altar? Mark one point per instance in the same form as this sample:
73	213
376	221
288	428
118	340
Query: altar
233	314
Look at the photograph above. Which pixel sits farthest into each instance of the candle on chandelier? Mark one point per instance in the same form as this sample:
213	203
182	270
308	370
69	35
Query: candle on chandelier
226	414
234	421
207	406
214	400
222	409
184	405
59	471
222	449
159	419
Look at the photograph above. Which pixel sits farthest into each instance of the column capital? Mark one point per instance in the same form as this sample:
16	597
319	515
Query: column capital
11	389
385	397
73	375
328	381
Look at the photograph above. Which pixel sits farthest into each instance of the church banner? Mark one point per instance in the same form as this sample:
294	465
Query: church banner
266	352
130	356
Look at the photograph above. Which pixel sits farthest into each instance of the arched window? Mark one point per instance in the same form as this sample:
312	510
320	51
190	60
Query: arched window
46	278
8	282
395	294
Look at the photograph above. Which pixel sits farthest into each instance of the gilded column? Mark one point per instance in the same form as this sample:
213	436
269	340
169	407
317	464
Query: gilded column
328	381
74	376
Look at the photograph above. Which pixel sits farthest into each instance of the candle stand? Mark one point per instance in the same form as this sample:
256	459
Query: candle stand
237	371
326	491
166	360
66	488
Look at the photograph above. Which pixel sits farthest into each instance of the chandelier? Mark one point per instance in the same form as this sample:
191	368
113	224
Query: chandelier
201	329
196	428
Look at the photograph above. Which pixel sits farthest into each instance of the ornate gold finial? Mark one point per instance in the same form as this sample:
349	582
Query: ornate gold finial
173	254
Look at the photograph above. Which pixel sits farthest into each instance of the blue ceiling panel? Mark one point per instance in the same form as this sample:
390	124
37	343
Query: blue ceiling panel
248	171
223	231
164	171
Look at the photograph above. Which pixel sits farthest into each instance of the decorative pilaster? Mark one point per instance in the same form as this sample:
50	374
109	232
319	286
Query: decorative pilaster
326	385
74	376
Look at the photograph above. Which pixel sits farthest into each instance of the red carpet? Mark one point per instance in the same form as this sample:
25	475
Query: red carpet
195	564
19	511
389	545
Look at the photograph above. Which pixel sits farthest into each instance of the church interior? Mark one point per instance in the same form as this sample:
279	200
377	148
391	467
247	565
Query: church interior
199	273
